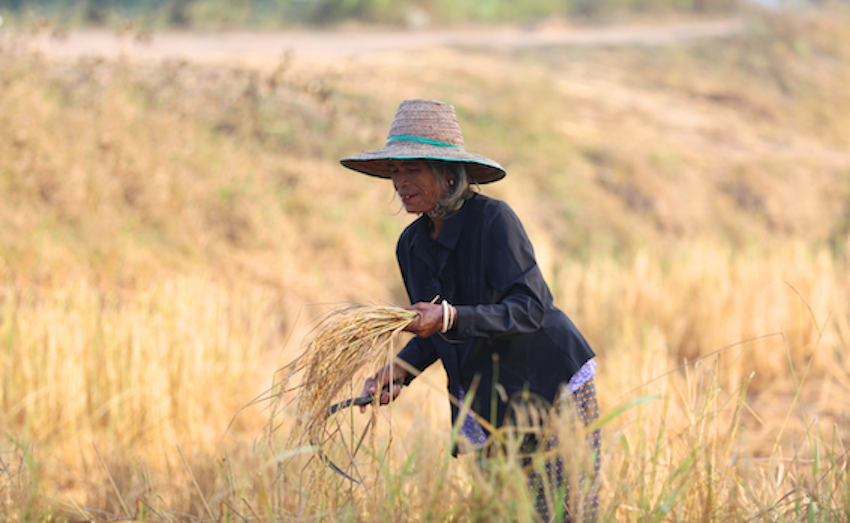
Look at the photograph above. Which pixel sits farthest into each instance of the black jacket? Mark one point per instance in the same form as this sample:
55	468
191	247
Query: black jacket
508	330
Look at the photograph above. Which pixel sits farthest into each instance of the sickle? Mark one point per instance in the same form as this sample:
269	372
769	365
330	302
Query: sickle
358	402
336	407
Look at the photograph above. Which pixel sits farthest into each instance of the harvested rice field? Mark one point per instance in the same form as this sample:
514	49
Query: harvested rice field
181	254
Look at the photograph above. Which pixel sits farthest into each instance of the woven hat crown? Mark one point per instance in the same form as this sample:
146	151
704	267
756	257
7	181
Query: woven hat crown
428	119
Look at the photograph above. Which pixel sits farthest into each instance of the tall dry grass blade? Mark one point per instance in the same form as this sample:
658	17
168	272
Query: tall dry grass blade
112	481
195	481
798	386
228	505
86	516
160	516
256	517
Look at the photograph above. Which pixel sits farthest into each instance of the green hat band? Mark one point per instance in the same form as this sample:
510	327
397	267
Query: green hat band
419	139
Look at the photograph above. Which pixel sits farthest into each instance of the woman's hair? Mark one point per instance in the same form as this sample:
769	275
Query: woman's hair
455	192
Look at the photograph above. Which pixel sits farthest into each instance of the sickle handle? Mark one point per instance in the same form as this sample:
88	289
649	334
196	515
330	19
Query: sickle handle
358	401
362	400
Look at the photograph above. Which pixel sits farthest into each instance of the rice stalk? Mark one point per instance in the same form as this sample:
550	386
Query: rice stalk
352	339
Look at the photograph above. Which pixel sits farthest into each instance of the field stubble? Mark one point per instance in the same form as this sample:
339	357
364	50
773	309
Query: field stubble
165	230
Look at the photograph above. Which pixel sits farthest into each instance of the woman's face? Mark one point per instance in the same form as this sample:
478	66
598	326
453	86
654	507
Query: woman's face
416	184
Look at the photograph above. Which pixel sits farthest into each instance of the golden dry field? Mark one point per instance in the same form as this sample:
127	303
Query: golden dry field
172	234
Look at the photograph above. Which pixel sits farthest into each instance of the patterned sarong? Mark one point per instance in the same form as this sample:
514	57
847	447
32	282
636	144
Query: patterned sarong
559	485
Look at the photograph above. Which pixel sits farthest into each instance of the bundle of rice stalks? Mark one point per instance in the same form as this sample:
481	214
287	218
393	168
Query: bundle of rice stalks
353	341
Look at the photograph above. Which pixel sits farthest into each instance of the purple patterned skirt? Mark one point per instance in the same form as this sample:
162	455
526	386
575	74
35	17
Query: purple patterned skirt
549	473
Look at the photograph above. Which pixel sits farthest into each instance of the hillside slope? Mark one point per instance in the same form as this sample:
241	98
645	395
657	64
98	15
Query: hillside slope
114	165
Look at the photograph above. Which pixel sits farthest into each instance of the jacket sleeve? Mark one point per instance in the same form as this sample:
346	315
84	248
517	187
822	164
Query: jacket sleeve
518	294
419	353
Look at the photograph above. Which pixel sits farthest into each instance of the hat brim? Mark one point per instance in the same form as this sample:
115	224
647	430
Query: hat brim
375	163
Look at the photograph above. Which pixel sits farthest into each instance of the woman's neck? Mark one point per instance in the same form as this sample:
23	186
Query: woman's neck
436	226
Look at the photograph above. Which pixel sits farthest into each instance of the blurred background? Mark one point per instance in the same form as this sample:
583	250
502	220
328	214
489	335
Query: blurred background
271	14
174	222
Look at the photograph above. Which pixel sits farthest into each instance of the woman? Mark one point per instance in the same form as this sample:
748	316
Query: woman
494	323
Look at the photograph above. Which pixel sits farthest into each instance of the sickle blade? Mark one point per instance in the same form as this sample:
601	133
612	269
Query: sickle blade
333	409
340	472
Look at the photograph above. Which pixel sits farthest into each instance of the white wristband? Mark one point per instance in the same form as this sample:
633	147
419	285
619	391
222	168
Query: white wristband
446	318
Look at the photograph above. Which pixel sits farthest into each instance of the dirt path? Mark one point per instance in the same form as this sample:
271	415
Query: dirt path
216	47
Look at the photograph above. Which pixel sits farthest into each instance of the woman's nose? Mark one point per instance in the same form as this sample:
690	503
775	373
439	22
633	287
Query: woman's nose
398	180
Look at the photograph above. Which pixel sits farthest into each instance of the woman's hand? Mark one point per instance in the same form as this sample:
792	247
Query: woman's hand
428	322
382	378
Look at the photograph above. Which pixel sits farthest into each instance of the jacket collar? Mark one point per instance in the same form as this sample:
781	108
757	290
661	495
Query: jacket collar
449	234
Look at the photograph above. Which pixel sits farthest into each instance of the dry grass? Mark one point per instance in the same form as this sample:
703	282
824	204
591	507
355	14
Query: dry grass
703	427
163	227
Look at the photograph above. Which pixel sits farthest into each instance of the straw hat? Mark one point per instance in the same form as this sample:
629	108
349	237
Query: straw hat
425	130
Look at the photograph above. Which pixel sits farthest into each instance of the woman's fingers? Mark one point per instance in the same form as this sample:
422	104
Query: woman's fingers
392	373
369	389
385	395
381	381
429	320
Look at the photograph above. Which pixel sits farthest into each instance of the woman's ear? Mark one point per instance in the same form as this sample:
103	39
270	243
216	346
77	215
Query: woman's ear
449	175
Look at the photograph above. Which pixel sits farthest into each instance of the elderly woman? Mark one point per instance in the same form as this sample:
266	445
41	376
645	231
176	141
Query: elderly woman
495	323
